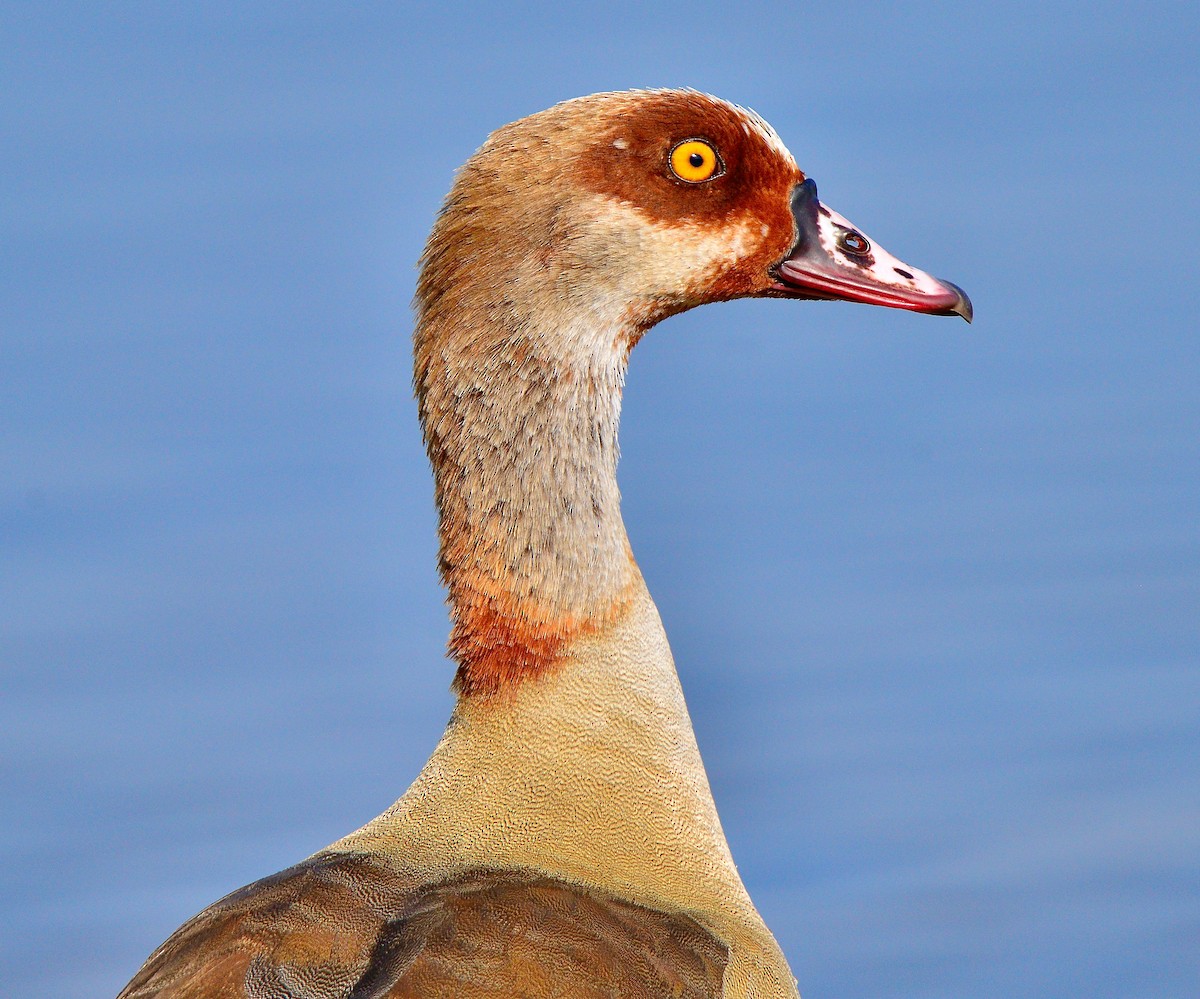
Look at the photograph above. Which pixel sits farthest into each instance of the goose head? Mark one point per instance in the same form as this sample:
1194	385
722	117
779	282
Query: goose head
563	239
629	207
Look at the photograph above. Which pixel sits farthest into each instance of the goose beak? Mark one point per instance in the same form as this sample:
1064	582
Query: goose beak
832	259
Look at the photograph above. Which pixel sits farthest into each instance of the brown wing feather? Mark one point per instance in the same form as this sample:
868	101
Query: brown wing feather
343	926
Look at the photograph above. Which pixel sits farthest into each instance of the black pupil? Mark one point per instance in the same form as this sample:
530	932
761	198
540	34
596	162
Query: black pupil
696	160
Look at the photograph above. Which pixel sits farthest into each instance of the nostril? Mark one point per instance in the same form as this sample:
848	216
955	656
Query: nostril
854	243
902	273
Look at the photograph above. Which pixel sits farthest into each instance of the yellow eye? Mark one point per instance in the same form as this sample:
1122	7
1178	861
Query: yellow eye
695	161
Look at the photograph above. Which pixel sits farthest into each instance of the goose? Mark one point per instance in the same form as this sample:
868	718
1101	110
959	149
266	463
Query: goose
562	839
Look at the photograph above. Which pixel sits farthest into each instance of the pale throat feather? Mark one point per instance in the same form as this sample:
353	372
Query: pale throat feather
521	427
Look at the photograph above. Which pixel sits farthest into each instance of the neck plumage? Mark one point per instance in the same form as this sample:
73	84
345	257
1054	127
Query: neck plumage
521	427
570	751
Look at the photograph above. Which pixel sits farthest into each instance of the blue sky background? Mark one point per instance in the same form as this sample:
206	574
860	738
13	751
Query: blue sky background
934	590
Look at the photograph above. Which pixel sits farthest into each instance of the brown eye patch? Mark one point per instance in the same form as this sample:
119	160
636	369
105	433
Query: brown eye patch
642	151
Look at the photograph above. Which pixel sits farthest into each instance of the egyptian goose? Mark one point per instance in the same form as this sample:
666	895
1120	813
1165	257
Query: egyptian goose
562	839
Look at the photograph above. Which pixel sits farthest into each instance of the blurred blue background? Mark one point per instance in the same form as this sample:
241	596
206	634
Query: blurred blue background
934	590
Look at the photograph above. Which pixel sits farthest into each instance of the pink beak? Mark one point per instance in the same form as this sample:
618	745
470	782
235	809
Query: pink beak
834	260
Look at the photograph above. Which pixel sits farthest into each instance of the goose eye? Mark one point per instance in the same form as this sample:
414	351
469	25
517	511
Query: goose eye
854	242
695	161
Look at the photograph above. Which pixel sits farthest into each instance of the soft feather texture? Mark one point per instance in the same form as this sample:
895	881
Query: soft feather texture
344	927
564	238
562	839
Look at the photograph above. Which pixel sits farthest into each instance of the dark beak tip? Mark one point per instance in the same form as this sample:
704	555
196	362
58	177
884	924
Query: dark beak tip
963	306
